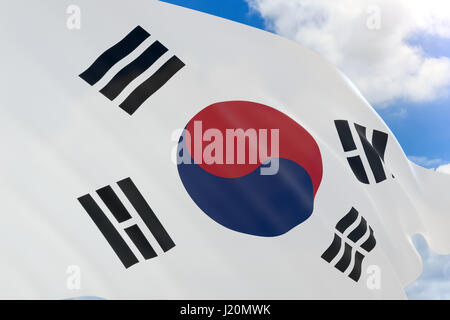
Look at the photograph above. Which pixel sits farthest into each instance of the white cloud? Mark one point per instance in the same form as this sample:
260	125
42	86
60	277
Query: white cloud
402	113
426	162
434	283
444	168
438	164
379	61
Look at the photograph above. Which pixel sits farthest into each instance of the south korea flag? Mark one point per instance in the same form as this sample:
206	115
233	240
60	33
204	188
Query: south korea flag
154	152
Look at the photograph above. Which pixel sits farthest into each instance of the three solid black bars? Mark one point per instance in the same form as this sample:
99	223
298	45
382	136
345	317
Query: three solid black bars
113	55
133	70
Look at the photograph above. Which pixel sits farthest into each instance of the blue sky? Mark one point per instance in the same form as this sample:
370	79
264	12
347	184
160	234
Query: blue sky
421	127
420	121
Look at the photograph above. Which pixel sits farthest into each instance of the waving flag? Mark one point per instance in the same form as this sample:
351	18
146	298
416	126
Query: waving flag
169	154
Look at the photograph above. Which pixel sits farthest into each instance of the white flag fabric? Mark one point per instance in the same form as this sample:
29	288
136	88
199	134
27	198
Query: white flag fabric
93	204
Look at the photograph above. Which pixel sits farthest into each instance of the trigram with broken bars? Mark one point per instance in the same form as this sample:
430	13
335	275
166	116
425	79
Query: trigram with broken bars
121	214
374	150
352	250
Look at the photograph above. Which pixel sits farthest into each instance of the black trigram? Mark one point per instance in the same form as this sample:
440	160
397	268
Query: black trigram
121	214
351	252
374	150
134	69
